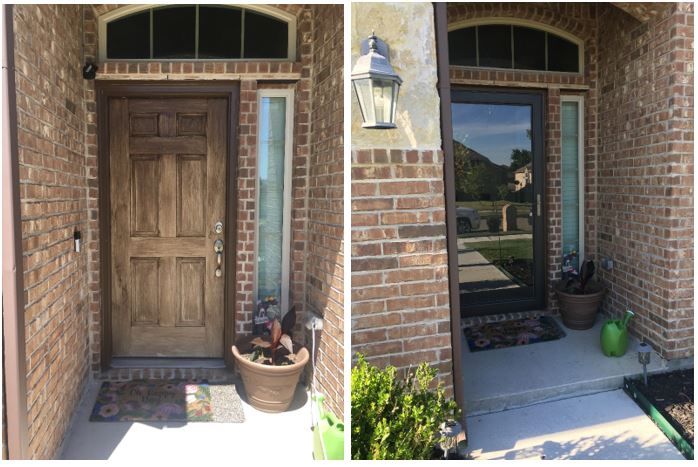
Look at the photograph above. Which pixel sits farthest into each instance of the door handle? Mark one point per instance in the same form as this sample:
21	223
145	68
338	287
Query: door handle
218	249
538	205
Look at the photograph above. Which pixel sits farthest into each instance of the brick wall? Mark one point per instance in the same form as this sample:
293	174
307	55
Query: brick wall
53	190
400	303
325	248
645	215
578	19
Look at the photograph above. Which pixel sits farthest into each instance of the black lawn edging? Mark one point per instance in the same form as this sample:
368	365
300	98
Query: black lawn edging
632	387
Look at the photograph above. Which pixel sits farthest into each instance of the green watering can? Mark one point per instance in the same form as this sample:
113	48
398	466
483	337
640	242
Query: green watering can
614	336
328	434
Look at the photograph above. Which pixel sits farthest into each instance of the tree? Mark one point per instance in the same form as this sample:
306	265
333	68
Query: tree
503	192
519	158
471	177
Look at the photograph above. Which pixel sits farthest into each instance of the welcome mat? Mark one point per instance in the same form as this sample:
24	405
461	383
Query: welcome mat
511	333
166	400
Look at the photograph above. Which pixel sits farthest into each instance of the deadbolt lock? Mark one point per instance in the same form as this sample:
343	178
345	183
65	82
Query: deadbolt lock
218	228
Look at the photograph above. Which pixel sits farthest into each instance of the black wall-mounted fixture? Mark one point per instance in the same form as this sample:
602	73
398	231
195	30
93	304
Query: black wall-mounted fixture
76	238
89	71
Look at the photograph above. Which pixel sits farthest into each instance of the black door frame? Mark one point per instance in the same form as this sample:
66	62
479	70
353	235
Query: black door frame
164	89
536	99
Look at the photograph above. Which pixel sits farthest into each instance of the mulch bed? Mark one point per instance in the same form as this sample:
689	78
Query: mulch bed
672	394
521	269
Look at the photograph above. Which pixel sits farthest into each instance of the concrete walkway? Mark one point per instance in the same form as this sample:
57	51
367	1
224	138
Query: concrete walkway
477	274
607	425
262	437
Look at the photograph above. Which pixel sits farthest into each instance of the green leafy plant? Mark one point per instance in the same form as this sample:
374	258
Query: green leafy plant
393	418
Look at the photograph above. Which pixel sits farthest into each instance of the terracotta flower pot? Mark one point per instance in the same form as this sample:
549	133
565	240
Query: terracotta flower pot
270	388
579	312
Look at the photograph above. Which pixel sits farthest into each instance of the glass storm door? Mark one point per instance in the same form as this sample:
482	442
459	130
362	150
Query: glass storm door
498	159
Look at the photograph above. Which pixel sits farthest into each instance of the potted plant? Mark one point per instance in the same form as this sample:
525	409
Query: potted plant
271	365
579	295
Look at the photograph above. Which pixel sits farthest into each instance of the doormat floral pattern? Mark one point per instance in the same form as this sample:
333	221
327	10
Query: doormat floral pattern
511	333
153	400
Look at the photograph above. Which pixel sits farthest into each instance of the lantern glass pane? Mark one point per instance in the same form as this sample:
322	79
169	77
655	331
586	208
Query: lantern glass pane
383	100
396	91
362	87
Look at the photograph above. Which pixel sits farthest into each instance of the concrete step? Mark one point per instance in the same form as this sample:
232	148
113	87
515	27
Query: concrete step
574	366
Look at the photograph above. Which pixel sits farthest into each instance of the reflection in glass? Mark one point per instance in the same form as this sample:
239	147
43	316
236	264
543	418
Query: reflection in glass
494	197
272	129
382	98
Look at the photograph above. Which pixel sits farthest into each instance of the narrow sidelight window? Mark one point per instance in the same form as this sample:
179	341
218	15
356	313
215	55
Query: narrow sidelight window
572	142
274	196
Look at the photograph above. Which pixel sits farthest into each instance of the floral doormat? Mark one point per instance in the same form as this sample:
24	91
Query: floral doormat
153	400
511	333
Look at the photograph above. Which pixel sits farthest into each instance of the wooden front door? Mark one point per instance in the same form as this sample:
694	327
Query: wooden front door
167	159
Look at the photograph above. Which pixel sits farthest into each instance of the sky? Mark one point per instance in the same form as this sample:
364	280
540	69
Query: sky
492	130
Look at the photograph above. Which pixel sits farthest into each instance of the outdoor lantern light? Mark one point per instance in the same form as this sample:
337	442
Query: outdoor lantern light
644	352
376	85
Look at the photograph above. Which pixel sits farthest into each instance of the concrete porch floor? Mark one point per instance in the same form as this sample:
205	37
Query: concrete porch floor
502	379
262	436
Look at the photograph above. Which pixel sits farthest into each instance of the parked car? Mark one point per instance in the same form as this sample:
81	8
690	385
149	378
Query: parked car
467	219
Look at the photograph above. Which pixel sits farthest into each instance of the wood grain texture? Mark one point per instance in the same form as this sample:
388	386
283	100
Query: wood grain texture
191	192
145	182
144	124
167	191
145	278
165	145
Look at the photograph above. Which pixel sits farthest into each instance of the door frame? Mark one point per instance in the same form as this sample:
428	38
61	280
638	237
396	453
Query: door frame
537	100
197	89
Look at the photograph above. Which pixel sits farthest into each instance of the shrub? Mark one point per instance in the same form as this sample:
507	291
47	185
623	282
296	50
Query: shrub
396	419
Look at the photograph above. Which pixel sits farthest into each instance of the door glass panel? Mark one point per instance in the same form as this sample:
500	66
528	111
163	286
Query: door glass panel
494	201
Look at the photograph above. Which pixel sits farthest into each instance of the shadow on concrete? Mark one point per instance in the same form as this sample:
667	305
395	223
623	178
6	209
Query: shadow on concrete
621	447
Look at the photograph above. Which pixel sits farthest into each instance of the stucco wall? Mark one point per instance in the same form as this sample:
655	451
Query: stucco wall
408	29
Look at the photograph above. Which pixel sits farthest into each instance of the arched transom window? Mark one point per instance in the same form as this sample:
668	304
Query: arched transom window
523	46
197	32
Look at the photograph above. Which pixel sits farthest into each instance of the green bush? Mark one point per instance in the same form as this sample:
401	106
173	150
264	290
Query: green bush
395	419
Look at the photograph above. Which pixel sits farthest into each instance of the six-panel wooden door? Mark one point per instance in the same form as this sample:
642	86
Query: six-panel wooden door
167	186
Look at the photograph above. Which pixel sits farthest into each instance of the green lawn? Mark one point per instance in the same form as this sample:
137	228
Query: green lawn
519	249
